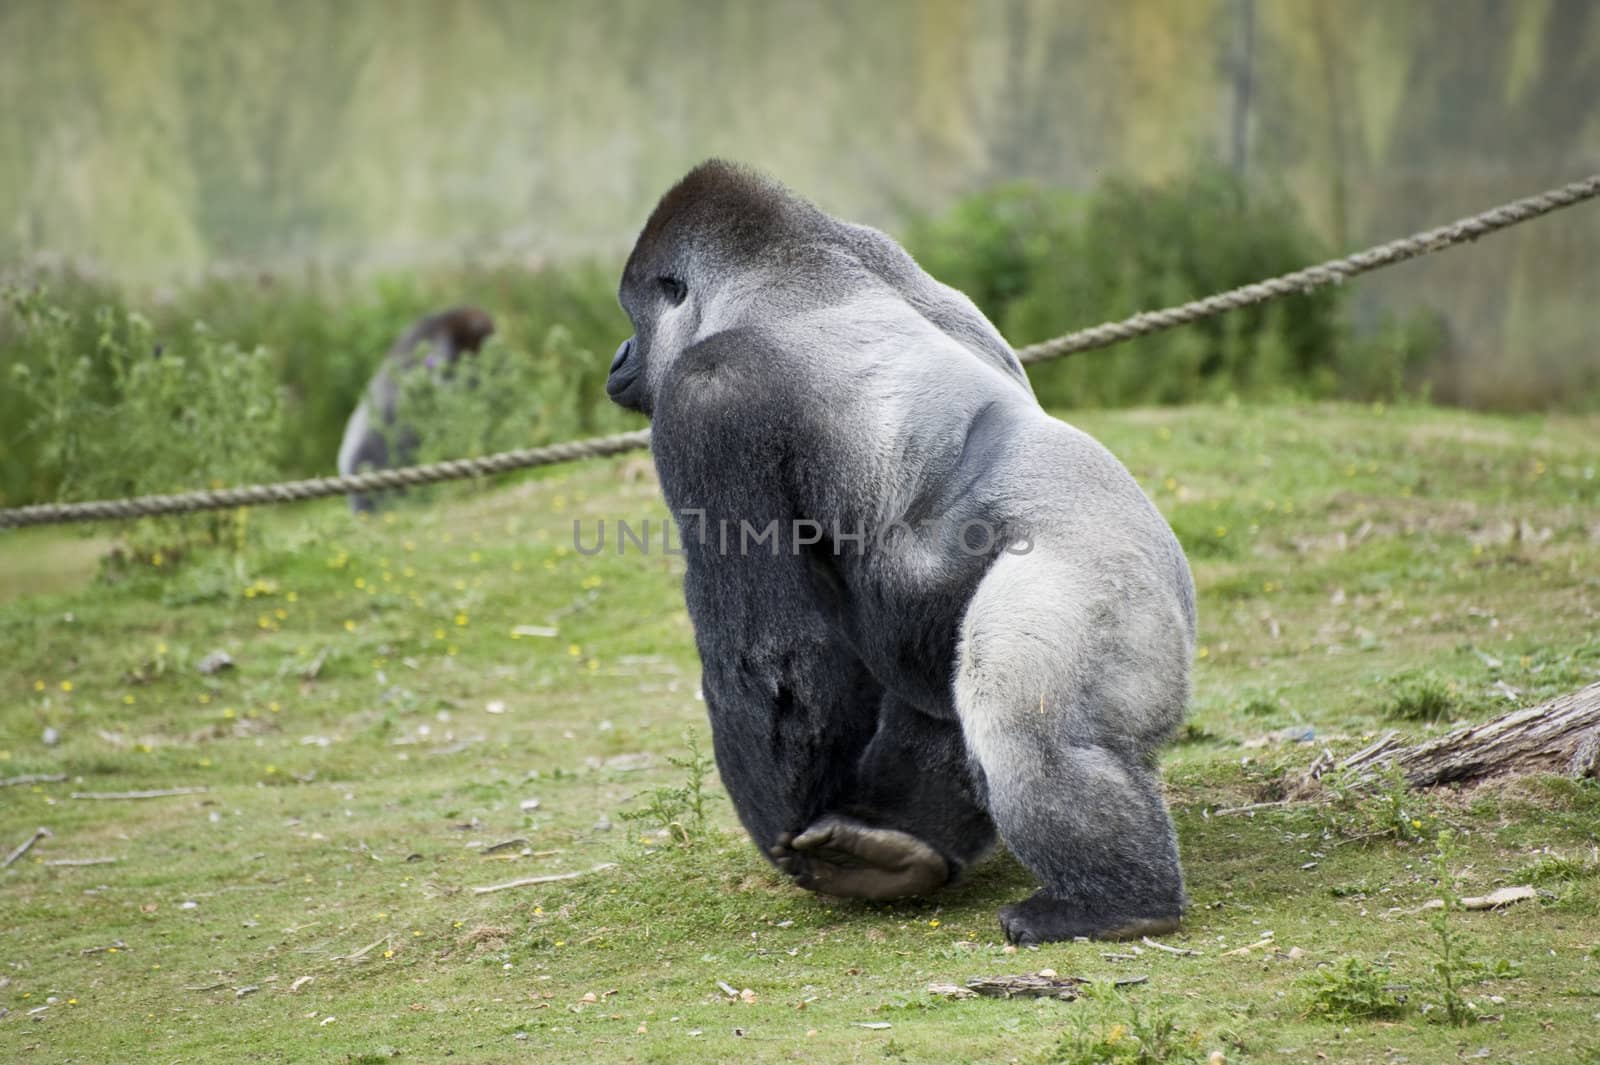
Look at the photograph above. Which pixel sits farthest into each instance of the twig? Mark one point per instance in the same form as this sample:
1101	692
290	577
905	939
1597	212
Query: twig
32	778
26	845
531	881
81	861
157	793
1265	941
368	949
1230	811
115	944
1147	941
506	844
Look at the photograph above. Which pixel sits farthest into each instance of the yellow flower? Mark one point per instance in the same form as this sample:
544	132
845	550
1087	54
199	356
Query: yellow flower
274	707
38	685
475	557
574	650
66	685
361	582
388	954
438	634
461	619
1204	652
271	769
293	597
227	712
934	923
349	626
161	648
155	559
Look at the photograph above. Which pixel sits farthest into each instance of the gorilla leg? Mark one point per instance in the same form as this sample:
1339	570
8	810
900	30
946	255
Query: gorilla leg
787	726
1063	702
915	821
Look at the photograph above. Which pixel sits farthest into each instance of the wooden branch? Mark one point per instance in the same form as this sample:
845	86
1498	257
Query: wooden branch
25	846
157	793
1560	736
533	881
32	778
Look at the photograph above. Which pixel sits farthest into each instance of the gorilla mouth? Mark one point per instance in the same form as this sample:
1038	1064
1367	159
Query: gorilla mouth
622	383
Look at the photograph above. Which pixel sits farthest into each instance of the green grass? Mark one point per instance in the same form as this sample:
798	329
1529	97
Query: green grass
385	722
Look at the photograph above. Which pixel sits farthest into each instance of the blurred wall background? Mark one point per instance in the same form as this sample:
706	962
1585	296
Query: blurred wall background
156	139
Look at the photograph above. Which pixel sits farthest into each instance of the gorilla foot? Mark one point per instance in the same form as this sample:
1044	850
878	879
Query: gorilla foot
845	857
1042	919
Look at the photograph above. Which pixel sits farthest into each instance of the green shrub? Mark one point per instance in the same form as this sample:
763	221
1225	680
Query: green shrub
1421	696
325	334
128	415
1353	990
1042	262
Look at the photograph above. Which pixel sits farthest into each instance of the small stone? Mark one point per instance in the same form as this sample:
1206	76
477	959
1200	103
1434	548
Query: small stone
529	805
215	662
1048	974
51	737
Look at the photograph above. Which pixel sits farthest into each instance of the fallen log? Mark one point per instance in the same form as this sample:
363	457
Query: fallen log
1560	736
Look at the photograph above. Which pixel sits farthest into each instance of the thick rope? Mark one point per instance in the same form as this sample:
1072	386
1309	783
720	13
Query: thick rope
1142	324
320	487
1330	272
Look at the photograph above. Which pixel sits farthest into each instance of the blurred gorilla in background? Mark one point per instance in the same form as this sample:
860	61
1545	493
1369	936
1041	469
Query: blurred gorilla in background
373	440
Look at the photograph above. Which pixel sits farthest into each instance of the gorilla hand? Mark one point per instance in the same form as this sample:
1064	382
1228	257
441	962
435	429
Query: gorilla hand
845	857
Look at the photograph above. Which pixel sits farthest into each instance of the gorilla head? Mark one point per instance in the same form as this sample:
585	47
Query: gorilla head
727	242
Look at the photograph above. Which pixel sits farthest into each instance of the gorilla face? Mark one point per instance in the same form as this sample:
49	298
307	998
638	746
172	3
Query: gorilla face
666	313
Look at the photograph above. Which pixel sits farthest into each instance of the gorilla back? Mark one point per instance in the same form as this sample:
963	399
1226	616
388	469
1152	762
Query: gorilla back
926	610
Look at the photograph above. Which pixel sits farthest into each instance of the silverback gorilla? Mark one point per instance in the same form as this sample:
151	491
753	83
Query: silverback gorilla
959	614
372	438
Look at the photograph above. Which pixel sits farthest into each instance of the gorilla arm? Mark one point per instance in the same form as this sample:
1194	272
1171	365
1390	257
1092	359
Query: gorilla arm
791	708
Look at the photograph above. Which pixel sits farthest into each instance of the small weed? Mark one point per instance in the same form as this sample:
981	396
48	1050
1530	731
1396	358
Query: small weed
1421	696
1139	1036
1450	969
1354	990
1558	869
671	807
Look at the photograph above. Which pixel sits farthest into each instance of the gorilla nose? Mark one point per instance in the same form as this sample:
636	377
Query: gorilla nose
622	355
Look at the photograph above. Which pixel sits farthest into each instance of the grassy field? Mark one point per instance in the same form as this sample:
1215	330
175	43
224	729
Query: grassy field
410	692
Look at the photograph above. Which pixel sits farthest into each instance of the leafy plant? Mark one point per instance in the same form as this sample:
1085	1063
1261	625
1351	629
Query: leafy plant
1421	695
681	810
129	415
1450	969
1354	990
1126	1033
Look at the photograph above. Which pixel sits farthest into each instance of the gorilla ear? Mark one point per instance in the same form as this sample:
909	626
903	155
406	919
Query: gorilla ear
674	289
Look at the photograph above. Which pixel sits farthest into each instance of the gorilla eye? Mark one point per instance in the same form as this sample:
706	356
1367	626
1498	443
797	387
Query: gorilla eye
675	290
